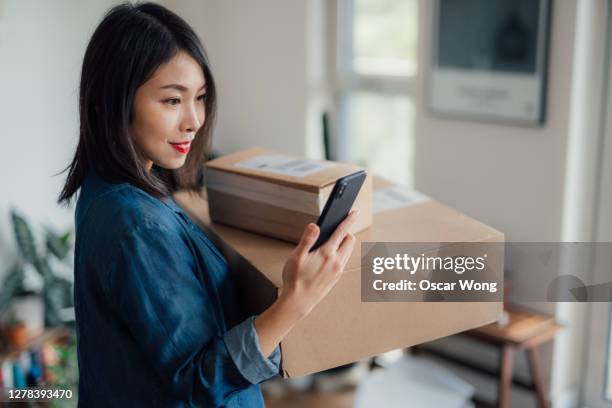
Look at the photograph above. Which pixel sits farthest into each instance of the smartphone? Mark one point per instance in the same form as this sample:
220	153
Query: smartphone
338	205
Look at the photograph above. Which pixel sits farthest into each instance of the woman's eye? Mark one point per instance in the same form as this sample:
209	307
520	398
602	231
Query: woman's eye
202	97
172	101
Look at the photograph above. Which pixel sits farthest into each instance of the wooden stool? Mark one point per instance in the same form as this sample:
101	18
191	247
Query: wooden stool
524	331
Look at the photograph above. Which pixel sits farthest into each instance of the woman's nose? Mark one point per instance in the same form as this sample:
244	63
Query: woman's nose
191	118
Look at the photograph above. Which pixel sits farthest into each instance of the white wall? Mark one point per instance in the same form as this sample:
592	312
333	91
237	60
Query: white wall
258	54
510	177
42	44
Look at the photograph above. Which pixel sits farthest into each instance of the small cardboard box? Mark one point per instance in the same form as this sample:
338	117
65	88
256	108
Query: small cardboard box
275	194
342	328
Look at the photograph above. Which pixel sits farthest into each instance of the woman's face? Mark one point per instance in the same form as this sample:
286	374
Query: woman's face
168	111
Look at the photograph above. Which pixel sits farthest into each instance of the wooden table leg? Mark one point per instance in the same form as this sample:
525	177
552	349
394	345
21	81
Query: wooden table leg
536	376
505	375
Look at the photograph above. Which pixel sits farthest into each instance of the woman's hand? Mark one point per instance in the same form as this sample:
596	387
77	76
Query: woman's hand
307	278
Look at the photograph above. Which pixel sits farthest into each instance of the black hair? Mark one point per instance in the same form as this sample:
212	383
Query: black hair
126	48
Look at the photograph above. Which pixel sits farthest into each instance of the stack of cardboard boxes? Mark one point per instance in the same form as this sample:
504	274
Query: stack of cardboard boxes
277	195
342	328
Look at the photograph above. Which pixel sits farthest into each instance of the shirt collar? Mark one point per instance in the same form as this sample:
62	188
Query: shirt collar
169	201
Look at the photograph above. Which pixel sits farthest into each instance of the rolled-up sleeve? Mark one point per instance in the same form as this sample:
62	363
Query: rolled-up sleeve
152	283
242	342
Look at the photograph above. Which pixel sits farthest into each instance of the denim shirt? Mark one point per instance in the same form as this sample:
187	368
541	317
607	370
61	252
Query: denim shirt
157	319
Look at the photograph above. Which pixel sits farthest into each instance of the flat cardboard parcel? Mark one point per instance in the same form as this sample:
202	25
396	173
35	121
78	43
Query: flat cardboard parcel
342	329
305	195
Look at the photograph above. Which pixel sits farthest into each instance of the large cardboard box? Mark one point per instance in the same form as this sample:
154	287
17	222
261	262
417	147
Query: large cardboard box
342	328
275	194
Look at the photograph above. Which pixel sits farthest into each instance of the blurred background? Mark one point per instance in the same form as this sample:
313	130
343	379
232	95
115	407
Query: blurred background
348	80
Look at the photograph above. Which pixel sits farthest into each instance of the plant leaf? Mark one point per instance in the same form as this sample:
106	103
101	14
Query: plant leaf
24	238
56	245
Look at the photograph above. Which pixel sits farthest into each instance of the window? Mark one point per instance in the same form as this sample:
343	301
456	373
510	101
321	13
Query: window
375	68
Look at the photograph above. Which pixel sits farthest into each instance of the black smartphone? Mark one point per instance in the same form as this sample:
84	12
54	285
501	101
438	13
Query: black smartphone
338	205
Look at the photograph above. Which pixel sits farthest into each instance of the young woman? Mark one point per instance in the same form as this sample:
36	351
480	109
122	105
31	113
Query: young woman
156	309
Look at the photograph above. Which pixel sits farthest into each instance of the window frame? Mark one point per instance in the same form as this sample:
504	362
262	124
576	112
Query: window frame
346	77
597	348
346	80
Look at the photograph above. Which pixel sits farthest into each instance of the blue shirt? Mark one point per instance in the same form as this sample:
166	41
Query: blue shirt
157	316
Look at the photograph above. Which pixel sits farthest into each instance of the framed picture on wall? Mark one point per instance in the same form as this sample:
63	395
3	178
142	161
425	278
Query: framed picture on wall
489	59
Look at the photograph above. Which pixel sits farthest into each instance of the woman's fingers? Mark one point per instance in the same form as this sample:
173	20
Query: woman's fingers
309	237
310	278
346	248
338	235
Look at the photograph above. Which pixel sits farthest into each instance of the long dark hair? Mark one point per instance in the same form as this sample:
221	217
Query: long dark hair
130	43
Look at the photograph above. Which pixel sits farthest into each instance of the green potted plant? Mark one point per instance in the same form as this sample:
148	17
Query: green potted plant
56	290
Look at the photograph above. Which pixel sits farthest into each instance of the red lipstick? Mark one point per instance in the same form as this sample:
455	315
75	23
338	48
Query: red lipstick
182	147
